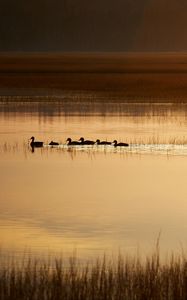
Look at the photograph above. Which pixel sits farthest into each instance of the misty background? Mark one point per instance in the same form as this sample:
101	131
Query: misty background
99	25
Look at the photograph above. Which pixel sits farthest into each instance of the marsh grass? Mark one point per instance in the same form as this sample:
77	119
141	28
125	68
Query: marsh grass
128	278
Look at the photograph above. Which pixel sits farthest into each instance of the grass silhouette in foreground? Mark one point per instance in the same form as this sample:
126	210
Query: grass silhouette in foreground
124	278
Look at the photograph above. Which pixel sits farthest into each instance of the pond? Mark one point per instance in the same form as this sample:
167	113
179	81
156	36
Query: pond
92	199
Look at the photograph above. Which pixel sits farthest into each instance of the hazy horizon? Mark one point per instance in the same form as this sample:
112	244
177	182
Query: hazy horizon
68	26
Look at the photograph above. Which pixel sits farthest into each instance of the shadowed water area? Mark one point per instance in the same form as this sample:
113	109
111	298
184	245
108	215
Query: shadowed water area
92	198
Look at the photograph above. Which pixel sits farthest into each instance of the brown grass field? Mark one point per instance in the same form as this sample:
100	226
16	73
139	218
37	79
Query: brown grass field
135	76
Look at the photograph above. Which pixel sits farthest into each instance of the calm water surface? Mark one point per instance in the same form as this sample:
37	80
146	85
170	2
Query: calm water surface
93	199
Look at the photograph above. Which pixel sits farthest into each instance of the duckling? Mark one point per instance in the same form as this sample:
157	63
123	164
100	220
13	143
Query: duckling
87	142
116	144
53	143
72	143
98	142
35	144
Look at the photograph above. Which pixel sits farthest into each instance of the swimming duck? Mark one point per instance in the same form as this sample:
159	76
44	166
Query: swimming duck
70	142
87	142
98	142
35	144
53	143
116	144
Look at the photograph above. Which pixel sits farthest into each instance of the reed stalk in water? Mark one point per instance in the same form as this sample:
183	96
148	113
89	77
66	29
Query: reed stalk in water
124	278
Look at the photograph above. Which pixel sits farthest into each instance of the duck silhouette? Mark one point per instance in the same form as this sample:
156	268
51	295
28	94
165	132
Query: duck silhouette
72	143
53	143
35	144
98	142
116	144
87	142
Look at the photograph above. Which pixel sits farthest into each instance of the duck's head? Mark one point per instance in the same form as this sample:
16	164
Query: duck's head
97	141
32	138
81	139
114	142
68	140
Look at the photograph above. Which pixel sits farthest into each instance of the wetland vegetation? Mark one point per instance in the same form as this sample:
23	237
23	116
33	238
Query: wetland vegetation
126	277
131	77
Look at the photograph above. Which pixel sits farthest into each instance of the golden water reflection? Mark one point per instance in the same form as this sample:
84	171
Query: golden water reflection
95	201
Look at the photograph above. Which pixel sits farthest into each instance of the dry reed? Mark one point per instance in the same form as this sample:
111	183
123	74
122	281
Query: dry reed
121	279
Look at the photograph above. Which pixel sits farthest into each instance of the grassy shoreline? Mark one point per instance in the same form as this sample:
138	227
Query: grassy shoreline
125	278
142	77
119	96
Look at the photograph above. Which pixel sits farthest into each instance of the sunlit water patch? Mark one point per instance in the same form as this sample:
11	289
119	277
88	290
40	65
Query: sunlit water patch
154	149
167	149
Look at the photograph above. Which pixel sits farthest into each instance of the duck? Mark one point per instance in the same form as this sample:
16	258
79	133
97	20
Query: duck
35	143
98	142
71	143
87	142
116	144
53	143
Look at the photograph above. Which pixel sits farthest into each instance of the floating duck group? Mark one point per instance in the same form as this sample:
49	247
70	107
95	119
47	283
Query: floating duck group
80	142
